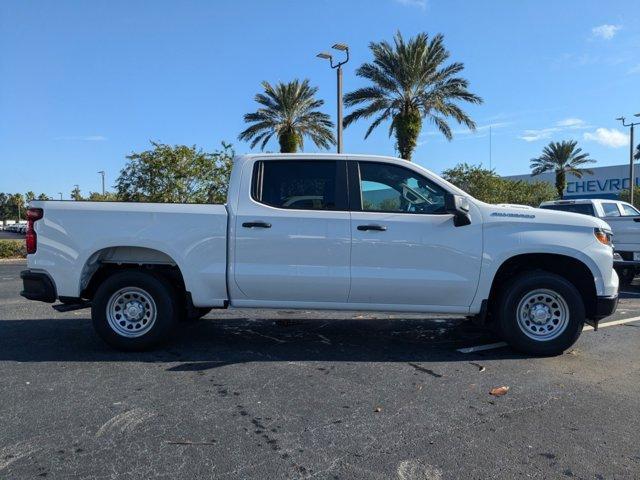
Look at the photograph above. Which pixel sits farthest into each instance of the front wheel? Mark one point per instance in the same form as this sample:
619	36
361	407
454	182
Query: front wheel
134	310
540	313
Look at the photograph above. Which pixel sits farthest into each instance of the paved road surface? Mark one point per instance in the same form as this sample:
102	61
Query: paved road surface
275	394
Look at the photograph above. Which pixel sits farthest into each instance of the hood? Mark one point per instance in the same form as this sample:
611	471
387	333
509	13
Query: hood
526	214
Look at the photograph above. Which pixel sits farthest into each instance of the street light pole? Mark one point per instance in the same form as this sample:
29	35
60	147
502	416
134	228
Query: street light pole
60	193
338	66
632	179
101	172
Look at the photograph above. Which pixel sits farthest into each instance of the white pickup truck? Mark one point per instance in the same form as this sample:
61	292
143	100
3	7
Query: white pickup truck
624	220
322	231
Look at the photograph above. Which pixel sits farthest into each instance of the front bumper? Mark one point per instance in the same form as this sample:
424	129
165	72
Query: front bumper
605	306
38	286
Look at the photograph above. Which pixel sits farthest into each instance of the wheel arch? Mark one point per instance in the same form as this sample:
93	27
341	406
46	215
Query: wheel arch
571	268
109	260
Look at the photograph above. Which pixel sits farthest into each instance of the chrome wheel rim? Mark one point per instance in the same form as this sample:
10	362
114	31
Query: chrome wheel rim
543	315
131	312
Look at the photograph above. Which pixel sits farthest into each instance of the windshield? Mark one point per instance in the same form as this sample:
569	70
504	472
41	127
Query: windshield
583	208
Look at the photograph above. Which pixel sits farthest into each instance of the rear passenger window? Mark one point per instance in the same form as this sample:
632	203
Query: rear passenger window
300	184
610	209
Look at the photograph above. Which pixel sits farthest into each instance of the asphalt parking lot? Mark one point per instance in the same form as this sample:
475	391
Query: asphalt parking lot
277	394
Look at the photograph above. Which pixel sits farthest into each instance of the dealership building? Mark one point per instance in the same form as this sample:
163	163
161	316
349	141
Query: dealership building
604	182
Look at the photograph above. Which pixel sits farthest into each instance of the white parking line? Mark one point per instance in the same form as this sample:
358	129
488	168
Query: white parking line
612	323
479	348
491	346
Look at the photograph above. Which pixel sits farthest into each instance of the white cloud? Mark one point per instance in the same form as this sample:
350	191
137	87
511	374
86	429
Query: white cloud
605	31
635	69
84	138
541	134
413	3
572	123
608	137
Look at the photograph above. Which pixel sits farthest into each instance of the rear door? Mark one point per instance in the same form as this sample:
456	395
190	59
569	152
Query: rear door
624	221
406	250
292	233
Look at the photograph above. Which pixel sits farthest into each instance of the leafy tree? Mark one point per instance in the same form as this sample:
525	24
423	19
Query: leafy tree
626	197
15	207
176	174
410	83
76	194
636	155
4	207
290	112
561	158
103	197
487	186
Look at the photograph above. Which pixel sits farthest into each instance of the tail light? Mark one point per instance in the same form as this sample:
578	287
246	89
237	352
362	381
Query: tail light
31	238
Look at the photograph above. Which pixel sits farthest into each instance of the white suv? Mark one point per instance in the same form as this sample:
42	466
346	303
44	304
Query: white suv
624	220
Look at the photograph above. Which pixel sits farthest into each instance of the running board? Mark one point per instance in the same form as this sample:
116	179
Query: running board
68	307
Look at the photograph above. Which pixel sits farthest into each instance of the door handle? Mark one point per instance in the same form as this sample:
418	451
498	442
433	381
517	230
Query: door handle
377	228
256	225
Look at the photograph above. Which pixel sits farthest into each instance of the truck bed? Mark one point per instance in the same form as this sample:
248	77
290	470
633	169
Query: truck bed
191	236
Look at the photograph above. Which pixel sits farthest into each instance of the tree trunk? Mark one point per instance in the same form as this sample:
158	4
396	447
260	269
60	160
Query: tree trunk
288	142
561	182
408	126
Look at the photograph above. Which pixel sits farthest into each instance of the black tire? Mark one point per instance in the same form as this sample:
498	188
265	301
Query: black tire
626	275
163	299
514	334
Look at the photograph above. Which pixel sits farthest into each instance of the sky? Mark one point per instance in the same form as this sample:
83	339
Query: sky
85	83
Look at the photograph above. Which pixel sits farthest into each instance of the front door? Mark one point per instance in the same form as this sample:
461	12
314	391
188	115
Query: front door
292	236
406	250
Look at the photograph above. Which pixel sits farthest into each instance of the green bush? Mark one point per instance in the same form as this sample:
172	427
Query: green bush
12	249
489	187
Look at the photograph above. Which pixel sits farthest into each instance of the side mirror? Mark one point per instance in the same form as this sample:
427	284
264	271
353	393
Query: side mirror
458	206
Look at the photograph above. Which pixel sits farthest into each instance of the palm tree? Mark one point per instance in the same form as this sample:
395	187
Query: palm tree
289	111
410	83
636	154
562	158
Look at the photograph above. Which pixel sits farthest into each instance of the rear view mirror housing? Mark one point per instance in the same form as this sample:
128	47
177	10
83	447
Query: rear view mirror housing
458	206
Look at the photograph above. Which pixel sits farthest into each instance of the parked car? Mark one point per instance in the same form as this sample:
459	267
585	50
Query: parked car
380	234
624	220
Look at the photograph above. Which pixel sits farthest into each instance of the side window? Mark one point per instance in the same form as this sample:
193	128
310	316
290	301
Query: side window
389	188
610	209
300	184
628	210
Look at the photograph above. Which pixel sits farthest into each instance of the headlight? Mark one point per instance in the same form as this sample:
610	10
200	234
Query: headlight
603	236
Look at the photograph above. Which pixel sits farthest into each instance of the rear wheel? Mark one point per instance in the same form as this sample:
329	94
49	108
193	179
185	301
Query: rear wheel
540	313
134	310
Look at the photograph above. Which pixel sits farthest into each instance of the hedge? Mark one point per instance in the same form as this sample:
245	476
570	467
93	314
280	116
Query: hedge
12	249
